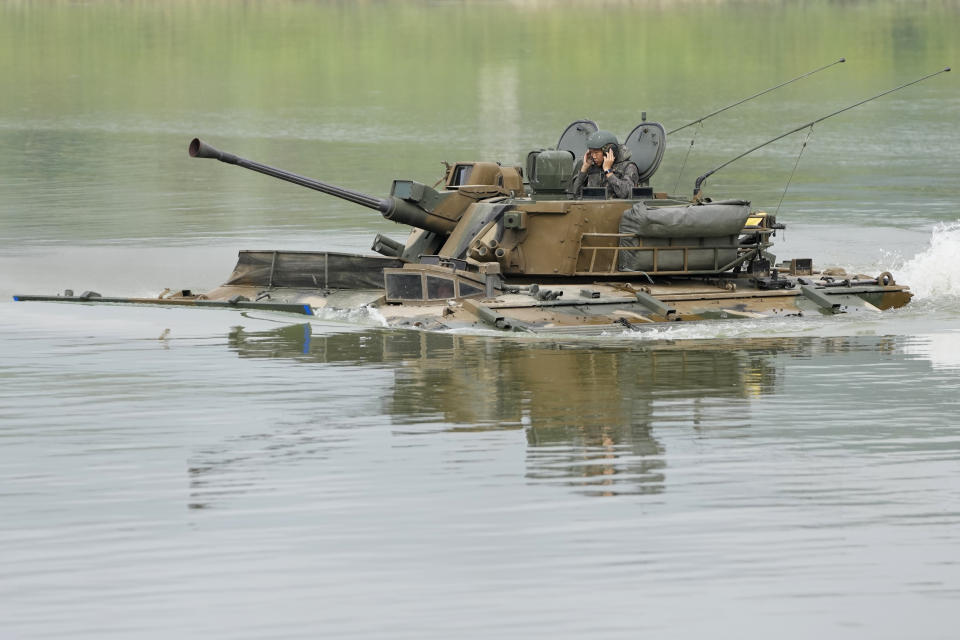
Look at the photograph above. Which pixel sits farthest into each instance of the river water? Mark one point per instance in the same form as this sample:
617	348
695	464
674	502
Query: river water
208	473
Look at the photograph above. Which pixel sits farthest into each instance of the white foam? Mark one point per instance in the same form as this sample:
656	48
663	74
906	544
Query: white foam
935	271
365	316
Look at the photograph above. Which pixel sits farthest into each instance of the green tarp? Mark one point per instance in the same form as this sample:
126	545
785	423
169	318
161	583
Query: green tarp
697	237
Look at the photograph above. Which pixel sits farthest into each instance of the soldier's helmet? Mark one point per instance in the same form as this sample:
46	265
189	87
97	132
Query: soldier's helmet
600	139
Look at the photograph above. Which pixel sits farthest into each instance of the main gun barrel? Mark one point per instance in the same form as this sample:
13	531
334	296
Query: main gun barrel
392	208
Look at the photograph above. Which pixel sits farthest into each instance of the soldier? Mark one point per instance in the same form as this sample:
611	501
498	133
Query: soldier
606	164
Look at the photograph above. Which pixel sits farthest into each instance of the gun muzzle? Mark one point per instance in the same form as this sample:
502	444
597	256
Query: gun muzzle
200	149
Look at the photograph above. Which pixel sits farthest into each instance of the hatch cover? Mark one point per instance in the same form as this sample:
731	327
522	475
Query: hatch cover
574	138
647	144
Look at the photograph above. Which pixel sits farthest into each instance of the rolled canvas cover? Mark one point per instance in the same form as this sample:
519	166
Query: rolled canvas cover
699	228
690	221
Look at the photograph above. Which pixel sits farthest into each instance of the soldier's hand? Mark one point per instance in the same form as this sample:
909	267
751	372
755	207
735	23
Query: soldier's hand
587	162
608	160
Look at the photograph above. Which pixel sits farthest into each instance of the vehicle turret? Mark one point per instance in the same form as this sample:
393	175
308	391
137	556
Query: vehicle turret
484	219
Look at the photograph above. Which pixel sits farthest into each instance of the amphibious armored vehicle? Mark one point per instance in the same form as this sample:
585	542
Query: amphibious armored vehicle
512	248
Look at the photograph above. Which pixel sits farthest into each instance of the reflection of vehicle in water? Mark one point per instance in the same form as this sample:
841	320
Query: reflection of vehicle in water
597	416
589	411
510	247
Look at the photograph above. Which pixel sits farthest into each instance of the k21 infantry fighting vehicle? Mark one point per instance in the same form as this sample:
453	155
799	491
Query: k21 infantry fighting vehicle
510	248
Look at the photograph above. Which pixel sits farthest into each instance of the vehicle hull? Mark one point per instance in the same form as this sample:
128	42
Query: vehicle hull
630	301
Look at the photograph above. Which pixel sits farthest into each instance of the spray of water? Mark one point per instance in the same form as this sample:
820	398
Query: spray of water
935	271
364	316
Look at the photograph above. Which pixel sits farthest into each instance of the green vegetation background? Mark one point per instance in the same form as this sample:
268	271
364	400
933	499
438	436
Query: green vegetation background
359	93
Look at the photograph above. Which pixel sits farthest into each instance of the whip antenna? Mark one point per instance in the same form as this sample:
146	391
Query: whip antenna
790	179
686	155
696	186
756	95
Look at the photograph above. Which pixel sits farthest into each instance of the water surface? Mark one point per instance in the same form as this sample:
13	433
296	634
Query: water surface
206	473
